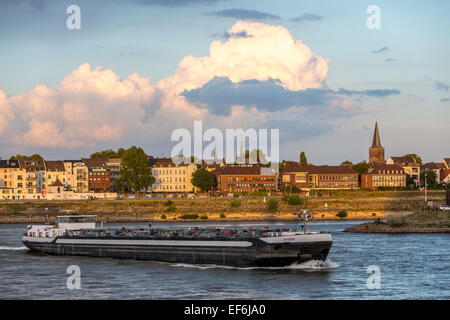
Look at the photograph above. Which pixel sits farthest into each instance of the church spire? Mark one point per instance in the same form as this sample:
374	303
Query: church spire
376	138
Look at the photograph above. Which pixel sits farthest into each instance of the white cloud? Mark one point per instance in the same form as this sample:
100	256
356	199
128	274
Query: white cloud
94	108
90	106
267	52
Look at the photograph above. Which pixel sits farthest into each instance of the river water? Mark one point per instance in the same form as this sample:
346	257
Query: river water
412	266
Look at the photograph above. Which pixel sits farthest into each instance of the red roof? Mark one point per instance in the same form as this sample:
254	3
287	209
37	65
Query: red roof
433	166
94	162
447	161
445	174
404	160
391	168
295	167
228	170
55	166
57	183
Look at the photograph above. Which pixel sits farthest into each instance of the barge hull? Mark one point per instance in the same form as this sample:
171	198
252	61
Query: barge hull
258	254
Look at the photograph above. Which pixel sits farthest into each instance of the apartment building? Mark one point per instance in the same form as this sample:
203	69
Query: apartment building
33	175
409	165
232	179
323	177
55	170
99	176
171	177
11	178
384	175
77	175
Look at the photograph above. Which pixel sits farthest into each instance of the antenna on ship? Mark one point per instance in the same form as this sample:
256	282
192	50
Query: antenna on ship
303	212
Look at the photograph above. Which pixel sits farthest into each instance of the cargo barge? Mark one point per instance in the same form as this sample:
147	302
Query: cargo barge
238	247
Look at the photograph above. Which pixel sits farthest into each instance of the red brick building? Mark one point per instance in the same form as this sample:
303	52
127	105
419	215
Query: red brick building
99	180
384	175
245	179
99	175
323	177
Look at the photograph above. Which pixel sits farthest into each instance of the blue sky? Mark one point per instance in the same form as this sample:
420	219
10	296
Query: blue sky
408	54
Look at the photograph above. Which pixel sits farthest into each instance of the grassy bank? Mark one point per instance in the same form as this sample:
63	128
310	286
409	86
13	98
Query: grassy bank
420	222
356	205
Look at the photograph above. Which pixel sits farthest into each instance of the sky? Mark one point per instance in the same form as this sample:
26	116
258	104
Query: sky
137	70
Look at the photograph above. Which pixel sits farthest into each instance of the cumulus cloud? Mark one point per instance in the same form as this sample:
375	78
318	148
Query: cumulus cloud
220	94
226	35
268	52
258	77
90	106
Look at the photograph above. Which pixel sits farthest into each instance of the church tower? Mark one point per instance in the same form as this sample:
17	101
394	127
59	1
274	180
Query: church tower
376	151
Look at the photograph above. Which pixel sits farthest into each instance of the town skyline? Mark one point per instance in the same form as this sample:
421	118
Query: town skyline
238	153
123	80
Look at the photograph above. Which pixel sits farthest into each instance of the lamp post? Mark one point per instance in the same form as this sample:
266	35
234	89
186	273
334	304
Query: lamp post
425	175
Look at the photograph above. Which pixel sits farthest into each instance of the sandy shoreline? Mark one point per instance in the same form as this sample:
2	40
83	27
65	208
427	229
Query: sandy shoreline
211	217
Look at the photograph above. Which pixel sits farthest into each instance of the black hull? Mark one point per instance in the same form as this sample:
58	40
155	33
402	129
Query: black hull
259	254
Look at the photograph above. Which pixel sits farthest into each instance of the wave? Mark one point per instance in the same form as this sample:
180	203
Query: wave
13	248
312	265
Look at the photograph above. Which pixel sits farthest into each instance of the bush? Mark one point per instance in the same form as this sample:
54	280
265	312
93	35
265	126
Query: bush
292	189
396	221
259	193
341	214
171	208
235	203
295	200
189	216
386	188
222	215
272	205
204	217
169	203
163	216
373	214
323	215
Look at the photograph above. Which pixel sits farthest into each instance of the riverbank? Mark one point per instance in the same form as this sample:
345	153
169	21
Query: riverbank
350	205
203	217
420	222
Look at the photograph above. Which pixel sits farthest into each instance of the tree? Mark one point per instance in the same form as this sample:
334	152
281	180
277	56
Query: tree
257	156
106	154
24	157
415	156
283	163
119	185
303	160
120	152
203	179
346	162
431	178
135	170
410	182
361	167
